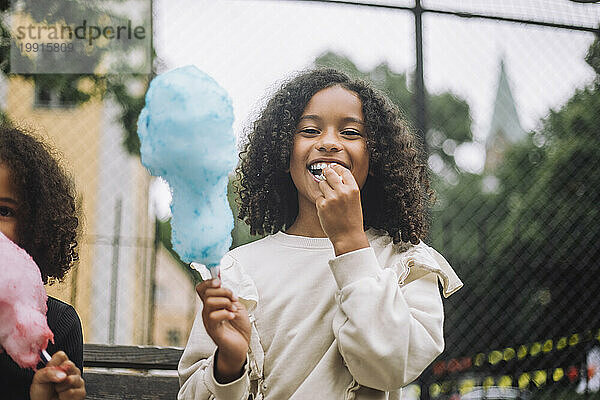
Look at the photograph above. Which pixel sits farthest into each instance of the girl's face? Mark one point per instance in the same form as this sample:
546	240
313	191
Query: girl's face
8	205
331	129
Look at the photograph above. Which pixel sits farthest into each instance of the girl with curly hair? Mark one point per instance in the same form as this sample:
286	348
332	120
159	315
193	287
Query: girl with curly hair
37	212
341	300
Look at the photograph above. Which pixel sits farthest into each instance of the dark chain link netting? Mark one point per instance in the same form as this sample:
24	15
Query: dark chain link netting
523	234
515	164
521	228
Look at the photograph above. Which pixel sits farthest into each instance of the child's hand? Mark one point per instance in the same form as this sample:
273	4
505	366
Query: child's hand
226	322
60	379
340	211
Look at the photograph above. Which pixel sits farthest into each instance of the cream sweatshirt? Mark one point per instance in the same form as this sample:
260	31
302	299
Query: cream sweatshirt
358	326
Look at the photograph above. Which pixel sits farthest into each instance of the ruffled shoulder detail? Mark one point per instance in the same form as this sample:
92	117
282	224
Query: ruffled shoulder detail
420	260
235	278
412	262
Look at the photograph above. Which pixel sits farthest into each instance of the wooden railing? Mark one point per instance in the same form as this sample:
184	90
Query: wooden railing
130	372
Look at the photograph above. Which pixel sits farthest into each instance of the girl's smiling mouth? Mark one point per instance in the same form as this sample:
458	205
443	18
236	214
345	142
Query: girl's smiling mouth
316	168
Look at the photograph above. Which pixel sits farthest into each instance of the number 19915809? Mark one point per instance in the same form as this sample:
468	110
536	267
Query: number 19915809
45	47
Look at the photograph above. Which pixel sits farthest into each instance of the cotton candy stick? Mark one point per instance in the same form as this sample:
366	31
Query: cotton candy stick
24	331
45	356
186	136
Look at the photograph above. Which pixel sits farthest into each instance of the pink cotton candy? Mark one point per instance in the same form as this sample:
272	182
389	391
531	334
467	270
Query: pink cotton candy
24	329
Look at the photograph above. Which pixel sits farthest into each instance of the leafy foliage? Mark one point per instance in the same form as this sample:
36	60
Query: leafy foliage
79	88
528	251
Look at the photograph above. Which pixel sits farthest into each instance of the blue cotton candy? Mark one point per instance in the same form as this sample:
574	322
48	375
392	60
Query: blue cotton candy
187	138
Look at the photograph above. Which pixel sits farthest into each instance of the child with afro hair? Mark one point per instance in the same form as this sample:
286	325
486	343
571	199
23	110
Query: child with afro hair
37	212
341	299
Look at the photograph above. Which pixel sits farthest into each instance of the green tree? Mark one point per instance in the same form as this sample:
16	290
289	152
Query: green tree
527	250
68	86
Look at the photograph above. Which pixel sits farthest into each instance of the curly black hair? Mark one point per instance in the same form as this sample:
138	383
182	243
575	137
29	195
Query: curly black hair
46	217
397	192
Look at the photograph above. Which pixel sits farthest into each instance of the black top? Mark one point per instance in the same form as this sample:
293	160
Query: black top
64	323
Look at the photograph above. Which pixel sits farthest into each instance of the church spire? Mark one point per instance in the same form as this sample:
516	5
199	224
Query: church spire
505	128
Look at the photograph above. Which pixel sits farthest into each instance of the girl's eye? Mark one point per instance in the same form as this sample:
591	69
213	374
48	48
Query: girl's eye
310	131
6	212
350	132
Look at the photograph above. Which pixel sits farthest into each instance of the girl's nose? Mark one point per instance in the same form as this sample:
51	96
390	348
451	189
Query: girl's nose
329	141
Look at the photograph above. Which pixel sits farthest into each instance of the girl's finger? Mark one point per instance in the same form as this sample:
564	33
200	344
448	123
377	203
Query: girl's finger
333	177
49	375
344	173
72	382
326	189
216	317
57	359
205	285
217	303
320	202
239	306
70	368
220	292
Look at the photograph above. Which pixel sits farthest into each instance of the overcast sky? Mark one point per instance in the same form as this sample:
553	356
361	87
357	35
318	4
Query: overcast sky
249	46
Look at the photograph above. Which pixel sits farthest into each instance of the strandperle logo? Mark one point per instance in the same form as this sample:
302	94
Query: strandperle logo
80	37
89	33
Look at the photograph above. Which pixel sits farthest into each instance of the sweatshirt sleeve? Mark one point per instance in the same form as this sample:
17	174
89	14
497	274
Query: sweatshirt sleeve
388	332
196	370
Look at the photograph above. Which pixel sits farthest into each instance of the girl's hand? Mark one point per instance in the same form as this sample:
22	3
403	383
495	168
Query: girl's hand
340	210
60	379
226	322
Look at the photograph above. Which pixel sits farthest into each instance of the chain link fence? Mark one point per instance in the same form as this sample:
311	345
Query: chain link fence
512	131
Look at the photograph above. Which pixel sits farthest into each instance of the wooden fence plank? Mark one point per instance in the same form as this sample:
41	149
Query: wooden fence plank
113	386
134	357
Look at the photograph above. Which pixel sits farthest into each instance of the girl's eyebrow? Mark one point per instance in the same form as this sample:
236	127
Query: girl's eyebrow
8	200
345	120
310	116
352	119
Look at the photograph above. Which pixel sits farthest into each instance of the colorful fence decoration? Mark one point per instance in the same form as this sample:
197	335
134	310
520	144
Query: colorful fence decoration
527	366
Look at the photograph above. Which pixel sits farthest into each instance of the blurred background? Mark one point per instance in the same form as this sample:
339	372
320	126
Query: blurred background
505	97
